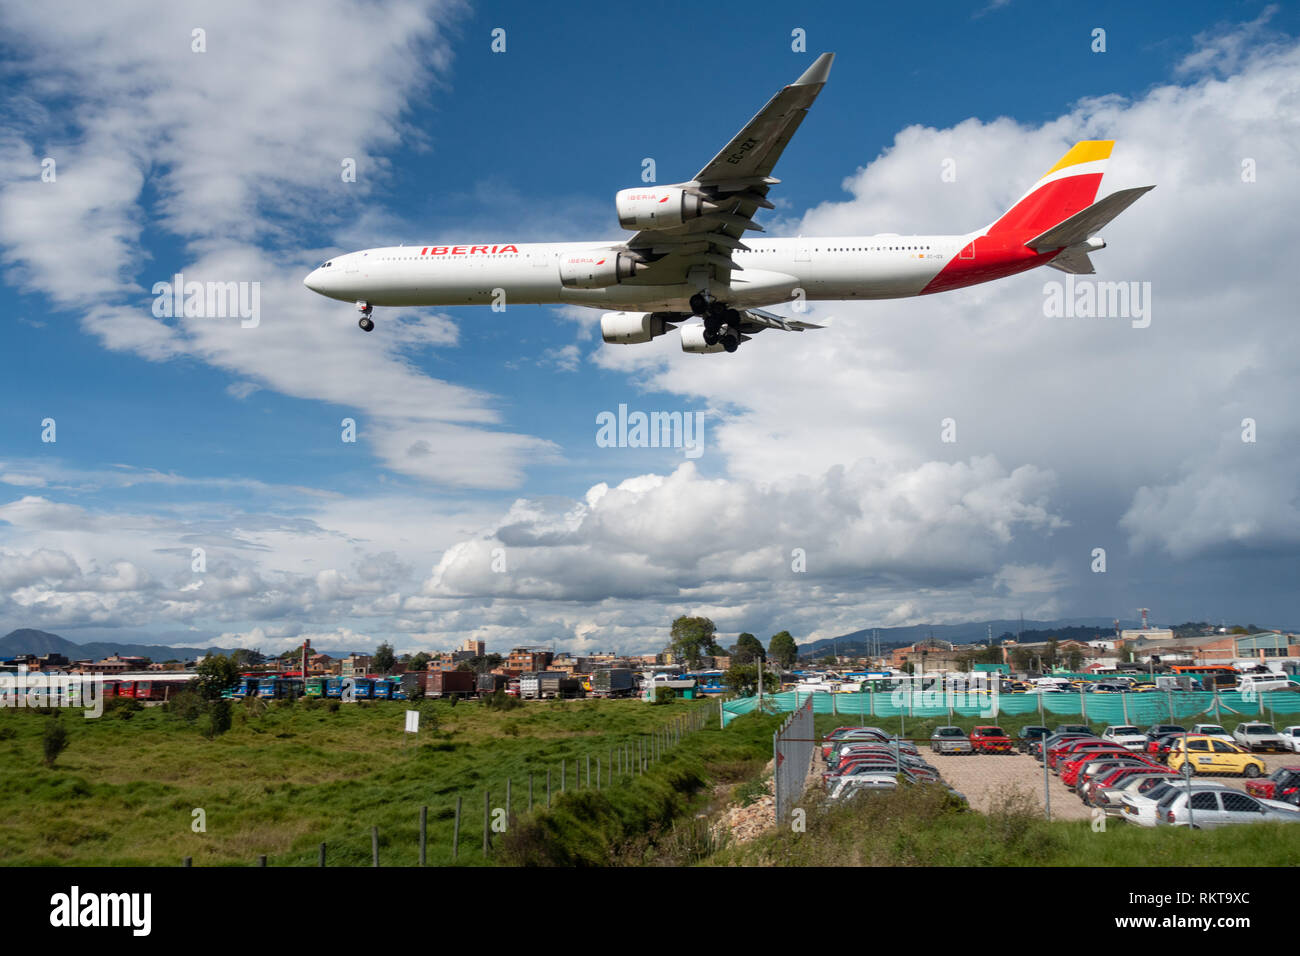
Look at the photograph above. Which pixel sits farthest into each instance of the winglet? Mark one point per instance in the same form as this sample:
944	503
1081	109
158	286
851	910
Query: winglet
817	73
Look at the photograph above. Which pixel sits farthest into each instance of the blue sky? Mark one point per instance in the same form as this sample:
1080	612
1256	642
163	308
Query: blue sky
226	164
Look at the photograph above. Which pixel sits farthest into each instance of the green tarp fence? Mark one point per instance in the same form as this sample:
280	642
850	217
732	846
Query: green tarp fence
1132	708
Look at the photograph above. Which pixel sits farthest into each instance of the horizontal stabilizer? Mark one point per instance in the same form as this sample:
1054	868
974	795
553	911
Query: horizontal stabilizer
1074	261
1086	222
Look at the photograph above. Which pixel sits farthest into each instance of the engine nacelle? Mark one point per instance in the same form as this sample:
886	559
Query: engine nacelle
658	207
693	340
632	328
597	270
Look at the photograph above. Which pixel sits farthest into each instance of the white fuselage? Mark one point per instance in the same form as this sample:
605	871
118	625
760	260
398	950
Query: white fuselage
772	271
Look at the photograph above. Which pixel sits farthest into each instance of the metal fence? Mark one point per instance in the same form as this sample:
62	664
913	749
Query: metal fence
792	753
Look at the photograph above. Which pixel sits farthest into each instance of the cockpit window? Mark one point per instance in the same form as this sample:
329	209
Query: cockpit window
328	264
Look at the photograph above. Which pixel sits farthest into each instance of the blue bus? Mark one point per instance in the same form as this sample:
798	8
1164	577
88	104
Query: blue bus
707	682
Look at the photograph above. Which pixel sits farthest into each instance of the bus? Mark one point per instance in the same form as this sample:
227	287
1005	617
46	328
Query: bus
1210	677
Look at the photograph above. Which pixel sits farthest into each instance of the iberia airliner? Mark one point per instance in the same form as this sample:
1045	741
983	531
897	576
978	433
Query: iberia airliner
689	256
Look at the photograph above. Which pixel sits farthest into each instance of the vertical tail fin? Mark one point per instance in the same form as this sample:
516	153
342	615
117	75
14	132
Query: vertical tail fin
1065	189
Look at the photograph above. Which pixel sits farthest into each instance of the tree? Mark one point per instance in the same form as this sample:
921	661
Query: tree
692	637
1050	654
1021	659
1074	660
55	740
418	662
742	678
747	649
215	674
783	650
384	658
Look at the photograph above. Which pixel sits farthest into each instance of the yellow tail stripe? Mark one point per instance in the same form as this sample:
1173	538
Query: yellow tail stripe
1085	151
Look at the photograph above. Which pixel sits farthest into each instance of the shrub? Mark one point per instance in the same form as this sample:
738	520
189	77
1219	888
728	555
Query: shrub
55	740
217	719
664	695
187	705
311	703
8	733
500	700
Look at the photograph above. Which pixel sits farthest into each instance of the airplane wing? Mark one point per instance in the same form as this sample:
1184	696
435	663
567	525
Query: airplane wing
737	181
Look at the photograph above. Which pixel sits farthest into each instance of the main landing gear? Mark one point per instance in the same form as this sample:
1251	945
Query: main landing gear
365	308
721	324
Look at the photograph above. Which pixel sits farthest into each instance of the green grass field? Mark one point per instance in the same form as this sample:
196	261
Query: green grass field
279	784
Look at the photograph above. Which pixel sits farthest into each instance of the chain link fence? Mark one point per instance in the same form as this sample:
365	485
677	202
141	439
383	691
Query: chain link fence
792	753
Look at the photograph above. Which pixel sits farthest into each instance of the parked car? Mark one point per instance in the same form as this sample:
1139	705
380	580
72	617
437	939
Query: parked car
1291	735
1159	748
1070	767
991	740
1210	755
1282	784
1030	735
1104	790
1071	748
1037	747
1161	730
1215	808
862	783
1256	737
1126	735
1140	808
841	734
950	740
1212	730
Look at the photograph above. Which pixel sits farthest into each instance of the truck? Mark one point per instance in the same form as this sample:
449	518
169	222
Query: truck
551	684
446	683
490	683
613	682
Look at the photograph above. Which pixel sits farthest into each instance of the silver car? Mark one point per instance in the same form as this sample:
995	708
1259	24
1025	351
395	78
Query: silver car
951	740
1141	809
1259	737
1216	808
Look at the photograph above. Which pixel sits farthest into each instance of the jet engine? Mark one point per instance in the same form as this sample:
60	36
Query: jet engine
693	341
658	207
597	270
632	328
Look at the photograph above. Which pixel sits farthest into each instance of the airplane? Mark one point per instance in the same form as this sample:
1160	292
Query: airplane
689	256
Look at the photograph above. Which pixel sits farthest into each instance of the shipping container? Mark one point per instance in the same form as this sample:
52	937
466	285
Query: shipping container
613	682
555	684
445	683
491	683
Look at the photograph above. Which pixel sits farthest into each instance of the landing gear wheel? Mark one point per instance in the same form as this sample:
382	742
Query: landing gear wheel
730	343
711	336
699	303
366	324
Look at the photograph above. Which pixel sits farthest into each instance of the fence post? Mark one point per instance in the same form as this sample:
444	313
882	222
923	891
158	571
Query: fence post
188	861
487	815
374	844
261	860
588	770
455	832
1124	700
424	821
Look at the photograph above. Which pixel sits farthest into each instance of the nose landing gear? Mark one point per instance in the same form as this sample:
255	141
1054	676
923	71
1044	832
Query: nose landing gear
365	308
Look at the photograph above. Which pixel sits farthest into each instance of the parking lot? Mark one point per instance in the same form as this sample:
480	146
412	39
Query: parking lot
983	777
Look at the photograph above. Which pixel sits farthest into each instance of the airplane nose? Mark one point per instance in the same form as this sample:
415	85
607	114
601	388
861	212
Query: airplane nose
313	280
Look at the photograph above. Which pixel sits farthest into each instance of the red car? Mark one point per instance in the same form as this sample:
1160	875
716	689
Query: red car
1066	750
1281	784
1070	766
1091	792
991	740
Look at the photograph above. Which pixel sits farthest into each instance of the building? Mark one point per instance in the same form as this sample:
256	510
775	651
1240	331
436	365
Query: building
475	648
356	665
527	660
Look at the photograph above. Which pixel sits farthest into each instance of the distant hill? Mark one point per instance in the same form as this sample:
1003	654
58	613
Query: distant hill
30	641
858	643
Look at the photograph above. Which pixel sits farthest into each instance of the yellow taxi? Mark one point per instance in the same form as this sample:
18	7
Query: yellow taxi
1211	755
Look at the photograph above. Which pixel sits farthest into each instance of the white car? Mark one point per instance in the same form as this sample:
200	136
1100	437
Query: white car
1126	735
858	783
1212	730
1211	808
1291	737
1141	809
1257	736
